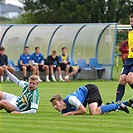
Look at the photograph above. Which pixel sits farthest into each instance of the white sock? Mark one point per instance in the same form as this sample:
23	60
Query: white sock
1	77
66	77
60	76
7	78
53	77
47	77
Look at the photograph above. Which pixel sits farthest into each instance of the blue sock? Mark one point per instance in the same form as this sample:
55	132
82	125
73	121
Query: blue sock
126	103
120	92
109	107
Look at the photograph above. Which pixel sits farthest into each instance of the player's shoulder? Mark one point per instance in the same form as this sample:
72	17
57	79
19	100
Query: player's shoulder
22	83
130	32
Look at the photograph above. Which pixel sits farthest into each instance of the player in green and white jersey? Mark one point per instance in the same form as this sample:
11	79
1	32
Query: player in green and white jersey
27	102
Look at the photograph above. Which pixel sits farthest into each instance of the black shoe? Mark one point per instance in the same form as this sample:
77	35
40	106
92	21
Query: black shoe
123	107
131	103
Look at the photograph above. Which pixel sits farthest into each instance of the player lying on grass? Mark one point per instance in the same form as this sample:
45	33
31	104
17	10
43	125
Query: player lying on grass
27	102
75	103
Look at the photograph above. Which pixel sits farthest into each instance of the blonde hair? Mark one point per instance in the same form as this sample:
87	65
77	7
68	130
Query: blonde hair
33	77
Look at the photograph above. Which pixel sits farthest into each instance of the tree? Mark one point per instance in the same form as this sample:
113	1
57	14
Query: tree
76	11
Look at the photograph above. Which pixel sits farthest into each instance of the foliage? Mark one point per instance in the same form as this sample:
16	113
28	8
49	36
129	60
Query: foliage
76	11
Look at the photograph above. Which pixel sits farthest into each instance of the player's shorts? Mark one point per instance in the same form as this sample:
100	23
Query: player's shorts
63	67
128	66
93	94
10	98
28	68
40	68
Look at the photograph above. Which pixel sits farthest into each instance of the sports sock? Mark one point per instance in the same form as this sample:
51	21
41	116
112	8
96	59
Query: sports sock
120	92
109	107
126	103
47	77
131	86
24	78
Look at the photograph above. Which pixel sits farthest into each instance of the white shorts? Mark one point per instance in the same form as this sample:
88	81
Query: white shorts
10	98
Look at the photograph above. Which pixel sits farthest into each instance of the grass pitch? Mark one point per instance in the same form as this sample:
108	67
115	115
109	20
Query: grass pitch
48	120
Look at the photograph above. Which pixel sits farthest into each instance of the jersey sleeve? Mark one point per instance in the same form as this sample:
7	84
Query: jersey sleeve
22	83
73	100
35	100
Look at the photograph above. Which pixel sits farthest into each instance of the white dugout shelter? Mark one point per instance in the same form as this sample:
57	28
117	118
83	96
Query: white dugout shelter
82	41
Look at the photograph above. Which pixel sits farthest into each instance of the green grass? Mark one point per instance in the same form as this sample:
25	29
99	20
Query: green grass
48	120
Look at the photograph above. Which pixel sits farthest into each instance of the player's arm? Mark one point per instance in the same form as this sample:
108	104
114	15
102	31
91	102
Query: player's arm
31	111
75	102
11	76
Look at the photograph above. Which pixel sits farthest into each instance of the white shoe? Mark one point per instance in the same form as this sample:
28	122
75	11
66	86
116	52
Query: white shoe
39	80
61	79
53	79
8	79
47	80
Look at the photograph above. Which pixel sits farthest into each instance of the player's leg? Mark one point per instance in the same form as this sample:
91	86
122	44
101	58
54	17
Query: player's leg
38	72
33	69
94	99
122	82
93	108
128	103
7	106
72	71
46	68
130	78
1	74
4	101
59	73
112	107
67	67
121	87
11	70
24	69
51	67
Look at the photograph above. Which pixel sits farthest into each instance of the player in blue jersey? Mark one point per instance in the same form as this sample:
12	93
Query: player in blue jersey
27	102
75	103
25	63
38	60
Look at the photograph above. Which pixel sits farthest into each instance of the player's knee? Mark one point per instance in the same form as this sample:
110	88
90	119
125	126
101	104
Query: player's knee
97	111
2	103
34	68
129	79
122	80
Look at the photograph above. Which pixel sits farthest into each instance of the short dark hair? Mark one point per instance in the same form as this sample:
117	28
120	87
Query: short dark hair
26	47
2	49
63	48
36	48
56	97
131	16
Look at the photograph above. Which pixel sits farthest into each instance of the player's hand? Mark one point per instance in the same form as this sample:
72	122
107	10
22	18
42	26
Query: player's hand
69	113
5	67
15	112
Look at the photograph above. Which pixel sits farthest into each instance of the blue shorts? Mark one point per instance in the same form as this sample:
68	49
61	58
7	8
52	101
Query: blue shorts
128	66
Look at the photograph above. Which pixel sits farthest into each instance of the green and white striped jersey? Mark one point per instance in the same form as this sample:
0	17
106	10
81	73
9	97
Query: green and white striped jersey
28	99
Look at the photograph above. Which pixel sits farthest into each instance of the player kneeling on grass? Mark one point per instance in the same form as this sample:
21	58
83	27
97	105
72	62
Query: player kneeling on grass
75	103
27	102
